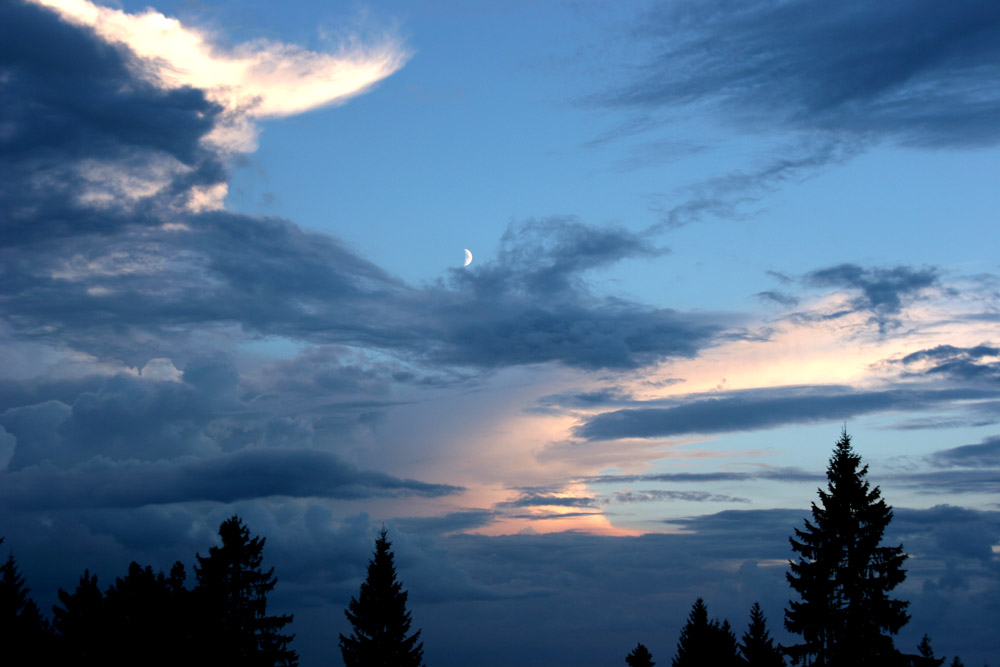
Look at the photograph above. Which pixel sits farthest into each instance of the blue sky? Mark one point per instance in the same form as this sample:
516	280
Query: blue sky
706	236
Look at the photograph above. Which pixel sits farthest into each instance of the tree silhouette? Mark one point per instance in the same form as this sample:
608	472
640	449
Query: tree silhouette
380	619
705	642
79	624
843	576
143	610
639	657
926	654
24	633
758	648
231	598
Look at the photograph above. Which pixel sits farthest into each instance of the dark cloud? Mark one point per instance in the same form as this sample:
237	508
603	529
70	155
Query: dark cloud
125	418
883	291
985	454
452	522
658	495
761	408
780	298
609	396
917	73
547	500
961	363
73	104
776	474
124	276
951	482
252	473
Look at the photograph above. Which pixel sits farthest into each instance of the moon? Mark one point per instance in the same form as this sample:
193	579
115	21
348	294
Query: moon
468	257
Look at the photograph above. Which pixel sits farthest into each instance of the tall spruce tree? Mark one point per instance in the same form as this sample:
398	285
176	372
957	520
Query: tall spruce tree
234	628
380	619
843	577
758	648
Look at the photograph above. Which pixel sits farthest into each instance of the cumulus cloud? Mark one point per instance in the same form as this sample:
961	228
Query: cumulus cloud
253	80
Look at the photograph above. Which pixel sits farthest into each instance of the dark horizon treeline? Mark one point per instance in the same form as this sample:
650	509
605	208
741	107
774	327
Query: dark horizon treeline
843	577
153	618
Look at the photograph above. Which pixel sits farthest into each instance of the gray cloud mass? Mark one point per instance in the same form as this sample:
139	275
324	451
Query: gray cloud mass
917	73
757	409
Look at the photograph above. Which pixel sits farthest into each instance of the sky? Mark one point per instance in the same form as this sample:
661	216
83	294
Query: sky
706	237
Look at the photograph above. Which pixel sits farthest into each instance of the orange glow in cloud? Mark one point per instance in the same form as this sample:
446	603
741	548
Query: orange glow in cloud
847	350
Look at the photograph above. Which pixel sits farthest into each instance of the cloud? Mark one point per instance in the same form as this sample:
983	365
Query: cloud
85	138
774	474
251	473
658	495
727	195
883	291
985	454
129	272
981	362
764	408
451	522
780	298
547	500
253	80
856	68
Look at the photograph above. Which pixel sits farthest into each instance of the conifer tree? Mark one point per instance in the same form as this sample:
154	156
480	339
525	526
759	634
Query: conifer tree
25	635
704	642
380	619
843	577
79	624
146	609
639	657
758	648
926	654
231	597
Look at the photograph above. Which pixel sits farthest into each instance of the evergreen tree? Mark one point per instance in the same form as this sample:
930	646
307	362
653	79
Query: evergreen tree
24	633
380	619
843	576
758	648
705	642
79	624
231	597
926	654
640	657
956	662
144	610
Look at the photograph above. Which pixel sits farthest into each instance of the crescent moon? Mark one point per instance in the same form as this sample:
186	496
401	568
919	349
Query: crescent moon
468	257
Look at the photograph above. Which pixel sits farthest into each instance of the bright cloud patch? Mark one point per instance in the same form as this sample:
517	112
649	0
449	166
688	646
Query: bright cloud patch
254	80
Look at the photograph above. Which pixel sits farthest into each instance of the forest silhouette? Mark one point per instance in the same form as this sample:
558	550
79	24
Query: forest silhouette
842	609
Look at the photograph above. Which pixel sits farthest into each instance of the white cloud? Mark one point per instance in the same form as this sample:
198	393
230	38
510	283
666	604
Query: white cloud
260	79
